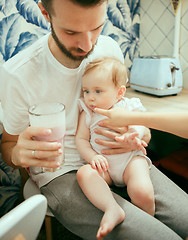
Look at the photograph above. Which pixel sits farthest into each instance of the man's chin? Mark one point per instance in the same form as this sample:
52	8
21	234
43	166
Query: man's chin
80	57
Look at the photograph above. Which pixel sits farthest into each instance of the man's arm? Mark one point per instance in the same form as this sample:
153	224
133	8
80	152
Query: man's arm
8	142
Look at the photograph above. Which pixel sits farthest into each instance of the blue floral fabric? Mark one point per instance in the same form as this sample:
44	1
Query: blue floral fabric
123	25
21	23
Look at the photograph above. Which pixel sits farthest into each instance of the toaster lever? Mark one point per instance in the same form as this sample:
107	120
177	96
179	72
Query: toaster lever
173	68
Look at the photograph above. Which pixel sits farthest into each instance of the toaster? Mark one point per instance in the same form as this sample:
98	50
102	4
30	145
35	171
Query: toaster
160	76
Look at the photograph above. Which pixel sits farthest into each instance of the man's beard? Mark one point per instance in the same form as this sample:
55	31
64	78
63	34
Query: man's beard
68	52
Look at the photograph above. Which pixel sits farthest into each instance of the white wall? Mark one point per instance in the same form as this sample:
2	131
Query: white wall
157	31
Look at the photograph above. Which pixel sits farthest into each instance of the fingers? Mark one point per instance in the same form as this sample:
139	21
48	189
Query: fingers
102	111
126	137
107	124
108	144
141	145
143	150
100	163
50	155
110	134
31	132
39	145
105	133
120	138
39	163
113	151
25	159
144	143
133	135
29	152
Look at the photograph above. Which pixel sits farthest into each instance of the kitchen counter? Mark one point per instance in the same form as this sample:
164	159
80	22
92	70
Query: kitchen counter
167	103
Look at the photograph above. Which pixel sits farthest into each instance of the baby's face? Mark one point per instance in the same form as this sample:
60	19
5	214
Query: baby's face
99	90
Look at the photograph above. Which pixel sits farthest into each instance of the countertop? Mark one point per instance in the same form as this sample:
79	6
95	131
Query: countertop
152	103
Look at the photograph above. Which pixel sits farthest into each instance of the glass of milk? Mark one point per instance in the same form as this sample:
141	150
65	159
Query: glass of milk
50	115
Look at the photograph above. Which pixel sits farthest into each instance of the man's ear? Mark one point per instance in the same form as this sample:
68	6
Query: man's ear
121	92
44	12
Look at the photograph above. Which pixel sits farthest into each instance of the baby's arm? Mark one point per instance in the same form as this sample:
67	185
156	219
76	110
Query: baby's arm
97	161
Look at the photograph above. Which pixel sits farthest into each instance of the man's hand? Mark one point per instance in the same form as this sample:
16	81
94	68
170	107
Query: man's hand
99	163
131	138
25	151
114	146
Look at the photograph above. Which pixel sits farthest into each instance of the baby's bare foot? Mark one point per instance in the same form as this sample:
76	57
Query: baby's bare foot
111	218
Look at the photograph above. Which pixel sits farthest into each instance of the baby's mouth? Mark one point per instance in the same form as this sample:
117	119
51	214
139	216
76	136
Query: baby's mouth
92	106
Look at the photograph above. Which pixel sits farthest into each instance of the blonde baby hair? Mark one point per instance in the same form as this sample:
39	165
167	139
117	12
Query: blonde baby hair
112	66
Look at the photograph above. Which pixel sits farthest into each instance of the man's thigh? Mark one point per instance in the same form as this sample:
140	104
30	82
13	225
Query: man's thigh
171	203
70	206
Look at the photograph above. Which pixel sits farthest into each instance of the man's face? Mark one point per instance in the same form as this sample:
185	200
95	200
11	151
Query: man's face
68	52
75	29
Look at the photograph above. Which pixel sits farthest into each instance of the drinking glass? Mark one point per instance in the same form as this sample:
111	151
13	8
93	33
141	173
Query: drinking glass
50	115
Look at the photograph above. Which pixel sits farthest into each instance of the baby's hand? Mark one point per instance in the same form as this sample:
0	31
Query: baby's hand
99	163
131	138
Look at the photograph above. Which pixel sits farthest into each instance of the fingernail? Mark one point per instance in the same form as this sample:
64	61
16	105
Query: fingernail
47	131
95	130
60	151
57	164
59	145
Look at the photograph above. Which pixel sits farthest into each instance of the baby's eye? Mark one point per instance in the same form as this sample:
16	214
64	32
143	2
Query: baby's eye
86	91
98	91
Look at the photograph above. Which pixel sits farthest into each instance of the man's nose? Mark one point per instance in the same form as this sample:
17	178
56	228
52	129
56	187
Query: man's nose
85	42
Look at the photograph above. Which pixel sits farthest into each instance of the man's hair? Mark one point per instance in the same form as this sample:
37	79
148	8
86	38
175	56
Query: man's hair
85	3
116	69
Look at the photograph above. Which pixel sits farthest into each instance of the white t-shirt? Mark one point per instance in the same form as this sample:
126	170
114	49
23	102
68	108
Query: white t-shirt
35	76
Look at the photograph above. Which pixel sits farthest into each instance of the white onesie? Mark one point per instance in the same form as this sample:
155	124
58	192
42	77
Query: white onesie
117	162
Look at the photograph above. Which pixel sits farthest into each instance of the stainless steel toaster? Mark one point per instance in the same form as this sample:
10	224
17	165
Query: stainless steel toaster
159	76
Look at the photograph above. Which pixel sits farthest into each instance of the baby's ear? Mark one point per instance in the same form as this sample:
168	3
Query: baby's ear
121	91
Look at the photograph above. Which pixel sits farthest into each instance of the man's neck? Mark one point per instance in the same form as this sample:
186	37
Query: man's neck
60	56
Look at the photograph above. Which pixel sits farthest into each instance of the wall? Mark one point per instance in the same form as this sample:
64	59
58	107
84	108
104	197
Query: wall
157	31
21	23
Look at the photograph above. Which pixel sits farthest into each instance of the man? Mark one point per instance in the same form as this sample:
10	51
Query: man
51	70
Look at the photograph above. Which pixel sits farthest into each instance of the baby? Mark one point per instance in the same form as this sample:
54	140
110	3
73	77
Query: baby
103	85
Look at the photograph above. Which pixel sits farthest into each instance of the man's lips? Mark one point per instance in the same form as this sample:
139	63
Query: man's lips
80	52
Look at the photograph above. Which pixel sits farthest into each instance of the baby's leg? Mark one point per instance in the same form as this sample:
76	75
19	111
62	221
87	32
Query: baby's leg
139	185
99	194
